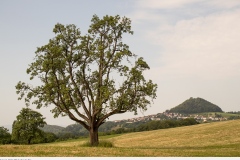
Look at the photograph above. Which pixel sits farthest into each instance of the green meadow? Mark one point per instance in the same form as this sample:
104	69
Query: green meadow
216	139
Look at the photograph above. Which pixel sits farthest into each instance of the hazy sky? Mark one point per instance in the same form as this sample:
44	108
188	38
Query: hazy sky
192	47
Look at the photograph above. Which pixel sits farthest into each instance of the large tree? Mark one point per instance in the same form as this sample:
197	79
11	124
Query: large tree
89	77
26	127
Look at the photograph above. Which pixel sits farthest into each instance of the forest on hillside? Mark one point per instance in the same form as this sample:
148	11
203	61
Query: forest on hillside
195	105
108	128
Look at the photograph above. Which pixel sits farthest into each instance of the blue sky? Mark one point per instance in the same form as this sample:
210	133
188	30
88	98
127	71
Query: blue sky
192	47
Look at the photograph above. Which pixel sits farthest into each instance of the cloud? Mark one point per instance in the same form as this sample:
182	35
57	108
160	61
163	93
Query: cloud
192	48
205	45
164	4
171	11
223	4
145	16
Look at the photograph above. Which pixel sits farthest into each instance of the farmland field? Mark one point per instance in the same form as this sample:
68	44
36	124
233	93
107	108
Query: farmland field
215	139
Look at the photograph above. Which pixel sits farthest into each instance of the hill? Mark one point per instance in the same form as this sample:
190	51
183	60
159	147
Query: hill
52	128
217	139
77	130
195	105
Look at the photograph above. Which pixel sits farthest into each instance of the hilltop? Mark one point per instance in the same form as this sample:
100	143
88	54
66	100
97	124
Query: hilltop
195	105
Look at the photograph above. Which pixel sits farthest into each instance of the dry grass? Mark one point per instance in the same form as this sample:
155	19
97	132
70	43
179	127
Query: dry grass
209	140
218	133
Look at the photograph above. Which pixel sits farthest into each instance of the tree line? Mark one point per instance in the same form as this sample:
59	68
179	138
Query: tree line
110	128
153	125
28	129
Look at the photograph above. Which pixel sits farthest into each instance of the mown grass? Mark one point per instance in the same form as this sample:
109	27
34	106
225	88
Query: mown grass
217	139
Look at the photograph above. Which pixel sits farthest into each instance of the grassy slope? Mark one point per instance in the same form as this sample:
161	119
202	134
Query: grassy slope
226	115
210	139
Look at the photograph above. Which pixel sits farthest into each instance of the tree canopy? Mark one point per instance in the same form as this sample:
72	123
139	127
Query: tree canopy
26	127
89	77
5	136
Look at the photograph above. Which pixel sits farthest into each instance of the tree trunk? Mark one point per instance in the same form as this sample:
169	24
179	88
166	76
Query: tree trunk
93	134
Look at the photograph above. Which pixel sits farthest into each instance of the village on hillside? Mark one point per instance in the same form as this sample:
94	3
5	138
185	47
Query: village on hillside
201	118
197	108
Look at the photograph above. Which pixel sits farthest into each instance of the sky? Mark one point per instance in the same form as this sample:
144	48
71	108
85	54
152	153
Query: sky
191	46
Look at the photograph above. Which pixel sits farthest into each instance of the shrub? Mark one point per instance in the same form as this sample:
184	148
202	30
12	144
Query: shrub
5	136
104	143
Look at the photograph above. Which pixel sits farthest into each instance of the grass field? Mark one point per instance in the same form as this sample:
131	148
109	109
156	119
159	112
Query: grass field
215	139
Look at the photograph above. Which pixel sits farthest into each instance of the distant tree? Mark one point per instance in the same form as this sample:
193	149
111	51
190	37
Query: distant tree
233	117
153	125
107	126
91	77
5	136
26	127
119	131
65	135
50	137
218	115
188	121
